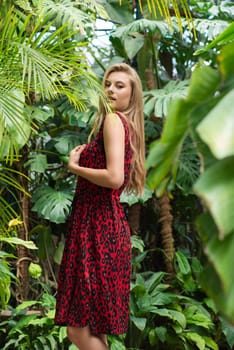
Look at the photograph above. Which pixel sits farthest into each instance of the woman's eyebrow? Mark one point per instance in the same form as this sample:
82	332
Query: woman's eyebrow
116	81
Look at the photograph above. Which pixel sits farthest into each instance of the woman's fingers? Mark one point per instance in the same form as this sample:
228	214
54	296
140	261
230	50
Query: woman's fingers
80	147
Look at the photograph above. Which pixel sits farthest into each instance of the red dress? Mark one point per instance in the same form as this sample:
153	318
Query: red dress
94	277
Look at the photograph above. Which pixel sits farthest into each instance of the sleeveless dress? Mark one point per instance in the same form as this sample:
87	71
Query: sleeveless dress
94	277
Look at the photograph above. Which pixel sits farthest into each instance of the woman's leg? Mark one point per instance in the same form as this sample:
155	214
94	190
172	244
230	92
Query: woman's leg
84	340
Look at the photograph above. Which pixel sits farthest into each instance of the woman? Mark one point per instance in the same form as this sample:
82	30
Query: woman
94	278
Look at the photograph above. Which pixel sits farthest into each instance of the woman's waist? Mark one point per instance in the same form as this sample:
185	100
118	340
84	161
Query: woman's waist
97	193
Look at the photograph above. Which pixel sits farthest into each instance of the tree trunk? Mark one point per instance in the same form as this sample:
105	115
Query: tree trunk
166	219
134	215
165	216
23	233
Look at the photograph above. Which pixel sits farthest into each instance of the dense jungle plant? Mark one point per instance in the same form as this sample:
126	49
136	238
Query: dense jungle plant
206	113
34	330
8	243
42	59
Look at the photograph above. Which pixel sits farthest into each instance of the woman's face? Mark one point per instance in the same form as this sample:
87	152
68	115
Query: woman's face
118	89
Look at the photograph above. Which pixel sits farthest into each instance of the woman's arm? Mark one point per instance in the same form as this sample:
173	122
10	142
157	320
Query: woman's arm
113	175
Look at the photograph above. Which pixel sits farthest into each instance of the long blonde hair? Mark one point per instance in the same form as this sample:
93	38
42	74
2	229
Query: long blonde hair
135	118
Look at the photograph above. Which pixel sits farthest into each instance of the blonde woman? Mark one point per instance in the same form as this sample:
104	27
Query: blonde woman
94	279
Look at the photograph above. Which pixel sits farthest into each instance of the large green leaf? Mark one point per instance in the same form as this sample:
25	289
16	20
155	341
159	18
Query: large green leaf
121	12
164	153
37	162
40	114
212	284
225	59
183	263
220	253
43	240
154	281
140	322
215	277
188	167
174	315
224	38
200	320
58	254
216	188
131	198
228	331
51	204
196	338
18	241
132	44
158	101
132	35
203	84
67	141
212	28
140	26
217	128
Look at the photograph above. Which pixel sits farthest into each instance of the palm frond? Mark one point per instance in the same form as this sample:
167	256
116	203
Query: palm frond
8	184
7	213
41	61
16	129
53	63
75	14
7	178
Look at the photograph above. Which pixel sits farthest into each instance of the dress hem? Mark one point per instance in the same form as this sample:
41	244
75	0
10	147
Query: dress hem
99	331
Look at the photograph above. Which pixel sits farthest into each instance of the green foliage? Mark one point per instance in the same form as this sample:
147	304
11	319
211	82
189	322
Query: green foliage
129	38
8	238
131	198
217	182
47	61
157	101
51	204
6	277
34	330
8	184
41	59
175	314
206	114
216	129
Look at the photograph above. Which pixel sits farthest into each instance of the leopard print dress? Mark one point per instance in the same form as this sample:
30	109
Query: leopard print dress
94	277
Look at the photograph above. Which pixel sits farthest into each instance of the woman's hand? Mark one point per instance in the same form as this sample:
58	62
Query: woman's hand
75	156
